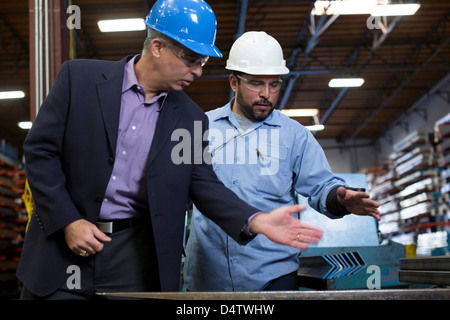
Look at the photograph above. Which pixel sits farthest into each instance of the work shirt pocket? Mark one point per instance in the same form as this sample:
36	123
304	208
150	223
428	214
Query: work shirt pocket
275	176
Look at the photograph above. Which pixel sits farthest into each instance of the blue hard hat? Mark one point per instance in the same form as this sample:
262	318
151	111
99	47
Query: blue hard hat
191	23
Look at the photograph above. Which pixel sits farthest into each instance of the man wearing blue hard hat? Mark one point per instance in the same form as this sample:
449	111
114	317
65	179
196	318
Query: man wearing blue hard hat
109	197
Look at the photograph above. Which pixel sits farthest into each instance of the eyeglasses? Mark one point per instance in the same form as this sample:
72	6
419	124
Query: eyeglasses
188	59
259	85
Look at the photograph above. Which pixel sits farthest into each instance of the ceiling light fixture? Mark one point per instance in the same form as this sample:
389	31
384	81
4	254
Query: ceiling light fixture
121	25
315	127
345	7
314	113
404	9
345	82
375	8
12	94
25	125
293	113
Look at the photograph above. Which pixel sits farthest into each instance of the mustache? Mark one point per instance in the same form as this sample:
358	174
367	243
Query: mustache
263	102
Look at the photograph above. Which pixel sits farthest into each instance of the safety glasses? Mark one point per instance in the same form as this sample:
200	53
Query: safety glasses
259	85
188	59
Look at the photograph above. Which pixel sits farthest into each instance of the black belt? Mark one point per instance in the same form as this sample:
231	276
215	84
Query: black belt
113	226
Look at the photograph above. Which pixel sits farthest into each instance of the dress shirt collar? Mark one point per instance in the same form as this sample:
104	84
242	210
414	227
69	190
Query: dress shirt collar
130	82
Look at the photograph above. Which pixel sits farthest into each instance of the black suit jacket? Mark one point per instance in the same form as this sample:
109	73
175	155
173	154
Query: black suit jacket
70	154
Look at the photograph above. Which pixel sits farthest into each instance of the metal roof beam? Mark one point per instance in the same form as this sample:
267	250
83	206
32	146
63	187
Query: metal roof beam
355	70
293	59
316	31
393	75
240	28
386	30
21	49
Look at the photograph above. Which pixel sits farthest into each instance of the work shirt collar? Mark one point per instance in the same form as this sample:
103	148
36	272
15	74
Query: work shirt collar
227	113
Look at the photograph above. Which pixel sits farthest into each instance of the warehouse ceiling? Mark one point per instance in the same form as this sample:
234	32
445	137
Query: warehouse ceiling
399	66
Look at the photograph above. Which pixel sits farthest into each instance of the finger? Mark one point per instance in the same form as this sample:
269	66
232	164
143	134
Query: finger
307	238
299	245
94	246
312	233
376	215
95	243
294	208
100	235
309	227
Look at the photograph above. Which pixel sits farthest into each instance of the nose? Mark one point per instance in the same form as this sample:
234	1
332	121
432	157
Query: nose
265	92
197	69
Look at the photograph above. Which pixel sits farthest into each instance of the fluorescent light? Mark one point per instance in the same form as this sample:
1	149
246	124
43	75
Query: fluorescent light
12	94
25	124
345	7
120	25
405	9
294	113
300	112
345	82
376	8
315	127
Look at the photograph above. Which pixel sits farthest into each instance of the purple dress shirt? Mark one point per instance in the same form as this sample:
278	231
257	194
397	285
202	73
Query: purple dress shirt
126	194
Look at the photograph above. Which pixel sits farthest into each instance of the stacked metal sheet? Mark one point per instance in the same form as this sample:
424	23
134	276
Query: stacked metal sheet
410	193
433	243
428	270
327	268
331	266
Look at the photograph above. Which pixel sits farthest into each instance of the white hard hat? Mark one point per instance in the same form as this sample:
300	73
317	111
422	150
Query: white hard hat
257	53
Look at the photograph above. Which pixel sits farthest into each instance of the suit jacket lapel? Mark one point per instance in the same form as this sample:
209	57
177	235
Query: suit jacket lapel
167	121
109	90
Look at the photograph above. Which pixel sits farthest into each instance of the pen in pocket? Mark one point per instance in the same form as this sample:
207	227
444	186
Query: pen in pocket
259	154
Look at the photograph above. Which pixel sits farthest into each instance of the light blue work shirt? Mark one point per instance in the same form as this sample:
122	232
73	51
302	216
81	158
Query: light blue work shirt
263	165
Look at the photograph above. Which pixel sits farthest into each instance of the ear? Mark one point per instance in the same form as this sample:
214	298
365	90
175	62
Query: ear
233	82
156	47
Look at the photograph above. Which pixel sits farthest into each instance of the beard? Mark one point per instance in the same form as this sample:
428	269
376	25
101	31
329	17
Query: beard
251	111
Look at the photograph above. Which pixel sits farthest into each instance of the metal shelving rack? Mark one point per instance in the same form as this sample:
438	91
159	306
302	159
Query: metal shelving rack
414	201
13	219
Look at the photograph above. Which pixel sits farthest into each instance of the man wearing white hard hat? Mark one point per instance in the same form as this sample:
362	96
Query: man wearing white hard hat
264	157
109	197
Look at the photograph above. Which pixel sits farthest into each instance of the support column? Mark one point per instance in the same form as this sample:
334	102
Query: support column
48	47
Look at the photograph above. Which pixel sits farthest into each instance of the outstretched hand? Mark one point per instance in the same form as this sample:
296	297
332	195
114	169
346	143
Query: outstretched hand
358	202
281	227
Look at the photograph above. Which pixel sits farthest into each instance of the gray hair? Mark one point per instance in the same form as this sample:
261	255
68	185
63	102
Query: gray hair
153	34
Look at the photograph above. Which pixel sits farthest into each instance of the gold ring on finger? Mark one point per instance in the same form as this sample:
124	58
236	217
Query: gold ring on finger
84	254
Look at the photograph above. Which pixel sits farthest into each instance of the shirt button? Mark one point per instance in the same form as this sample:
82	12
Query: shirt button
124	152
114	177
235	182
133	127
